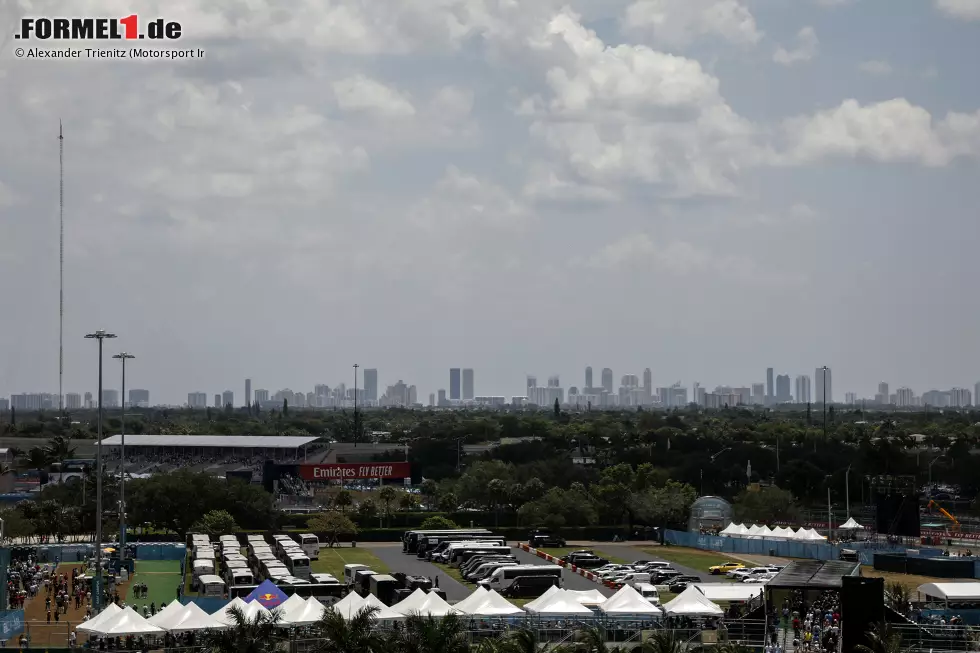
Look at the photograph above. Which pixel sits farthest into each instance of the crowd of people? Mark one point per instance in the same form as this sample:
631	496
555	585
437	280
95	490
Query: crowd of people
816	626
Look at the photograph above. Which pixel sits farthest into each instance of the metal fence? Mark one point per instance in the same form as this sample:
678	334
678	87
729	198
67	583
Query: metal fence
938	638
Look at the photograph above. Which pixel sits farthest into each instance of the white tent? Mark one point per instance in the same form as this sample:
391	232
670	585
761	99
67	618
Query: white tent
305	613
802	534
541	600
110	611
423	603
587	597
628	601
495	605
814	536
755	530
474	600
850	525
223	616
692	603
384	613
167	615
125	622
729	591
559	603
192	617
731	529
294	602
741	531
350	605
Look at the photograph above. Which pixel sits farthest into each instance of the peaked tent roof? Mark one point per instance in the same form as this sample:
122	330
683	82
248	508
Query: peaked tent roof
350	605
628	601
495	605
384	612
193	617
168	615
223	616
541	600
587	597
126	622
474	600
268	595
850	525
430	604
559	603
294	603
729	591
110	610
305	612
692	603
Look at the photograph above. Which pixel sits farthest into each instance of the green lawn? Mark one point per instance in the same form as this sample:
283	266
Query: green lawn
161	577
693	558
332	561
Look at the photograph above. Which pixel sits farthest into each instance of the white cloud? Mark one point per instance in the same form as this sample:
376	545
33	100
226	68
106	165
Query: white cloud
806	48
679	22
961	9
875	67
891	131
362	94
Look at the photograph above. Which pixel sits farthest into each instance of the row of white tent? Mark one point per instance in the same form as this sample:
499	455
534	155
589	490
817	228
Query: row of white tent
757	532
297	611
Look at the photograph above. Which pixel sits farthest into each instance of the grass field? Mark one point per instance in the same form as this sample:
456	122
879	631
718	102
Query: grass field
693	558
332	561
908	580
161	577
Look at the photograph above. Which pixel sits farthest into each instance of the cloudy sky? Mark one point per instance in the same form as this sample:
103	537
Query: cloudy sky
702	187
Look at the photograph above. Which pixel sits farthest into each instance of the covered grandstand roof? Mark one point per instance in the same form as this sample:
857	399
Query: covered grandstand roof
814	574
952	591
216	441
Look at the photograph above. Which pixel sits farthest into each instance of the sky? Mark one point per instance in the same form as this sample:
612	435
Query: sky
703	187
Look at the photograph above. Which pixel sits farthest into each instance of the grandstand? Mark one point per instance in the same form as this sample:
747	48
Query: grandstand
215	454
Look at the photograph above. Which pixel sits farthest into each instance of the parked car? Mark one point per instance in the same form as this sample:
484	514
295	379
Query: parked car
584	559
724	568
678	584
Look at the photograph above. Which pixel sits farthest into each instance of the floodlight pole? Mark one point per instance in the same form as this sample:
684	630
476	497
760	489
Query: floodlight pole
123	356
99	335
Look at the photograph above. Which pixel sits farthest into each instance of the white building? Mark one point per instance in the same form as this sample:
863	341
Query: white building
802	389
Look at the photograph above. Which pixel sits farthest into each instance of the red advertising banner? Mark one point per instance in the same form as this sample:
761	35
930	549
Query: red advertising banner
353	471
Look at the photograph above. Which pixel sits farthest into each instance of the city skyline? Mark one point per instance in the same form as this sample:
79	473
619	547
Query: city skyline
734	184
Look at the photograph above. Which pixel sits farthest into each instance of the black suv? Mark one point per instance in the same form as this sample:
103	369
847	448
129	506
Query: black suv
584	559
678	584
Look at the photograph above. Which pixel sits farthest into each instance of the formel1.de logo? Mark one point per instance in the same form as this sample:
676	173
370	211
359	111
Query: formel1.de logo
129	28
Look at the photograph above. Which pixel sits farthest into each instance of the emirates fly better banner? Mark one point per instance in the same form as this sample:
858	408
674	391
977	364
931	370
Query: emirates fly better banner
354	471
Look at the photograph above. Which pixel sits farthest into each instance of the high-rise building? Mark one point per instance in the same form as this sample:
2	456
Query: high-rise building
883	390
759	393
607	380
4	405
248	393
110	398
442	398
819	381
217	401
454	384
959	397
976	393
432	399
227	398
468	393
371	384
139	398
648	380
88	400
73	401
197	400
588	377
770	390
850	398
803	389
904	397
261	396
782	389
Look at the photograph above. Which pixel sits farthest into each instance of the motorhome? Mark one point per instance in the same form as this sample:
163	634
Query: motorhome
201	568
239	577
298	565
410	539
350	571
311	545
504	577
212	585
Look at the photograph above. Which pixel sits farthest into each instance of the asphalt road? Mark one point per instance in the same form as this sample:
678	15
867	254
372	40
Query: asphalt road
570	580
409	564
631	554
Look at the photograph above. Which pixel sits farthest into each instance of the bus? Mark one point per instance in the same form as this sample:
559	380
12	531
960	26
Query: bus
505	577
298	566
311	545
411	538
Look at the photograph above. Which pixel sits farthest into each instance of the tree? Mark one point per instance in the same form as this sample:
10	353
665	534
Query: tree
37	458
255	635
357	635
438	523
333	524
430	635
429	489
557	408
766	506
881	639
898	597
387	495
367	509
216	522
448	502
285	407
15	524
343	500
59	449
407	502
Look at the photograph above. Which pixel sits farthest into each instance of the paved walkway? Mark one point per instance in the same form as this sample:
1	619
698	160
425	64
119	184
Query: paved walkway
410	564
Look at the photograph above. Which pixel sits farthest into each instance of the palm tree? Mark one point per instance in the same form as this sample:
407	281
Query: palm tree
590	640
59	449
37	458
882	639
431	635
663	641
340	635
255	635
898	596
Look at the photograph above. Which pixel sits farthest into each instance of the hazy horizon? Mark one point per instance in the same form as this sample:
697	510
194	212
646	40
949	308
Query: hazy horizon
703	187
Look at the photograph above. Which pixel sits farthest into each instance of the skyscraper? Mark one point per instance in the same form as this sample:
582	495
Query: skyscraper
432	399
532	382
803	389
454	383
227	398
607	380
818	382
217	401
73	401
371	384
588	377
782	389
442	397
883	390
139	398
248	393
770	394
647	383
110	398
468	384
88	399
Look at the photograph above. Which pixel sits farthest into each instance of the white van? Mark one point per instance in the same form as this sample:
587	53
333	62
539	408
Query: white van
236	577
505	576
350	571
311	545
649	592
212	585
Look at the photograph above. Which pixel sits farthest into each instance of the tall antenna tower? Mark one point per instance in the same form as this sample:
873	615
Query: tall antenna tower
61	269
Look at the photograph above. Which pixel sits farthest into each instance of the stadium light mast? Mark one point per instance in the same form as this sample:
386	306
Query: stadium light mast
99	335
123	356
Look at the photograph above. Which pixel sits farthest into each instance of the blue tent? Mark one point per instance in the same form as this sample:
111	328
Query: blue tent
267	594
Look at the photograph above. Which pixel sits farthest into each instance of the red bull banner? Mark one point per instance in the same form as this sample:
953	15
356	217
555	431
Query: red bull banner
354	471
